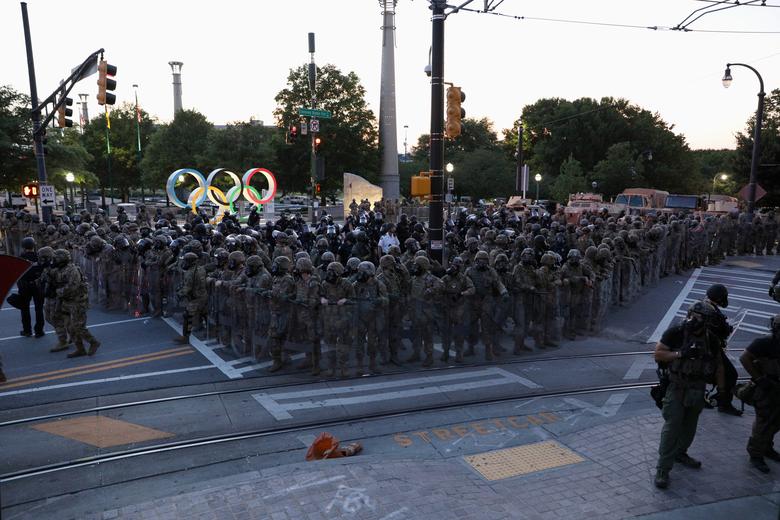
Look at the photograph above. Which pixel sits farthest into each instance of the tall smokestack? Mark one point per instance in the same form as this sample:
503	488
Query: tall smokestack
388	138
176	69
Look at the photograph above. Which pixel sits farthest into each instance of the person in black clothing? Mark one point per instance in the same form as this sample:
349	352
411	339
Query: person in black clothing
718	296
29	291
761	359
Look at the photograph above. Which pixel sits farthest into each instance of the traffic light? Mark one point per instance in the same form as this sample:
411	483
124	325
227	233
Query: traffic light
421	185
63	113
292	134
317	144
106	83
317	188
455	112
30	191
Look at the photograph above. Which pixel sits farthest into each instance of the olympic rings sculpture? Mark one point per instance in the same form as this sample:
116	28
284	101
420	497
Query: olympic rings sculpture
242	186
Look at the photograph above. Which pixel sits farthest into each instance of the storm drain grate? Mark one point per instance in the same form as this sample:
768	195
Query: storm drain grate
521	460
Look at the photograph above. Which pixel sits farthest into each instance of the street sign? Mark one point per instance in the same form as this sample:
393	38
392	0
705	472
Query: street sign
47	195
314	112
314	125
744	192
450	183
526	174
304	127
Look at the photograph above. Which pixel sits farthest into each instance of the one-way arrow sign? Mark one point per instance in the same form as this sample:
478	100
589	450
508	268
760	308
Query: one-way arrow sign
47	195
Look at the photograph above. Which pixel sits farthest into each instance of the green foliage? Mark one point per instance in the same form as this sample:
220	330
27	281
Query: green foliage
619	170
349	139
123	137
570	180
477	134
483	173
768	172
180	144
17	158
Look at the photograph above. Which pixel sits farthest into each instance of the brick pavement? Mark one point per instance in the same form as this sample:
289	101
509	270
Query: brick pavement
614	482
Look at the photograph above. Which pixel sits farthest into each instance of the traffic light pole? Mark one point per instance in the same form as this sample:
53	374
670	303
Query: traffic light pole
519	154
36	112
436	206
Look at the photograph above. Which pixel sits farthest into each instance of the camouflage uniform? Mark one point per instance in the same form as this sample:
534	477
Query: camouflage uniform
336	293
72	295
424	291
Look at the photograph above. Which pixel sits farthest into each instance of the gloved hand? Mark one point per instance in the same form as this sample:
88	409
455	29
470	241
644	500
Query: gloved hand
689	352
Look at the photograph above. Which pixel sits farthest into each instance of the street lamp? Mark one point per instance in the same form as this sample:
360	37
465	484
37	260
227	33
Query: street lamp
449	167
756	134
538	179
69	177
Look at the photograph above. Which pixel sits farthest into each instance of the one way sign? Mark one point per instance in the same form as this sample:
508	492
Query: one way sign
47	195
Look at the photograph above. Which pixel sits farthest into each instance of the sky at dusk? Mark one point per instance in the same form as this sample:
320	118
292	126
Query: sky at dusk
237	55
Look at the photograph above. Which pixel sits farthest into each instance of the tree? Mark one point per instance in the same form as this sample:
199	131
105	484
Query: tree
123	139
477	134
349	138
570	180
17	156
619	170
180	144
483	173
768	172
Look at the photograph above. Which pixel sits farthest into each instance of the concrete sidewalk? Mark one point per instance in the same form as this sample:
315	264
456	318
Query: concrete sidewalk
611	480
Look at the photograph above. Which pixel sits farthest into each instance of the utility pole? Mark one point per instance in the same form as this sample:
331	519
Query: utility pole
313	135
436	208
519	155
138	139
36	114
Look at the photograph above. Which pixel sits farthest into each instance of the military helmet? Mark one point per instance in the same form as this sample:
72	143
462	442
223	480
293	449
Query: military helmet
303	265
591	252
237	256
367	268
718	294
386	262
301	254
45	253
322	243
28	243
527	254
603	254
221	254
394	251
327	257
490	235
502	239
254	262
190	258
482	255
353	263
548	259
574	254
471	241
704	311
422	262
501	258
64	229
411	243
51	229
143	245
336	267
282	263
62	256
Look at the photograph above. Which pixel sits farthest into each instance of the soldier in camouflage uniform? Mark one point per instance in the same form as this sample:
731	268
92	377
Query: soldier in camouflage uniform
51	312
488	287
192	295
457	289
282	291
393	276
546	312
249	288
336	295
230	315
72	296
424	291
305	312
523	288
577	279
371	299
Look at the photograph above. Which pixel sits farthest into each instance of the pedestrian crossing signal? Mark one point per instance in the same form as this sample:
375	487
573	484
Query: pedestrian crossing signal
30	191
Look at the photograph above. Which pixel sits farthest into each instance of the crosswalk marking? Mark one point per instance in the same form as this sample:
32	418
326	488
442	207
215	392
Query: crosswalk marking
279	405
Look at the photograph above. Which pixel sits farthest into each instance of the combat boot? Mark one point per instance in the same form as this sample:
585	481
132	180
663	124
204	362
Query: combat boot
688	461
521	347
470	351
343	373
276	366
415	357
428	361
772	454
728	408
306	363
59	347
760	464
445	355
459	356
331	372
93	346
662	479
78	352
183	339
488	353
2	377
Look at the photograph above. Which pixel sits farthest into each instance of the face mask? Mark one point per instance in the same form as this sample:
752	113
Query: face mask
250	271
574	261
363	277
501	268
274	269
482	266
331	276
452	271
527	261
232	264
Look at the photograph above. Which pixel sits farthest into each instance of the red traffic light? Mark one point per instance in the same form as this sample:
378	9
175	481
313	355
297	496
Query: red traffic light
30	191
317	187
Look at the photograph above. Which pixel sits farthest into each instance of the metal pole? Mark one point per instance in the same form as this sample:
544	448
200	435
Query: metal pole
519	154
313	154
36	114
756	152
138	134
108	163
435	209
537	192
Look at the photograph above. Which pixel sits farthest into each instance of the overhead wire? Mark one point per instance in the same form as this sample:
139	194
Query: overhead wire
611	24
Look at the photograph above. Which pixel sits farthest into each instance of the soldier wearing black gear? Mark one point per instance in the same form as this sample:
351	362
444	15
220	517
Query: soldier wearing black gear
692	353
718	296
30	291
761	359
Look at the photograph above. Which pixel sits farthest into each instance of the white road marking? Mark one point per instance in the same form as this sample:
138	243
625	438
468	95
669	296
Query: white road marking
748	272
426	385
639	366
730	287
395	514
88	326
105	380
207	352
670	314
749	299
610	408
296	487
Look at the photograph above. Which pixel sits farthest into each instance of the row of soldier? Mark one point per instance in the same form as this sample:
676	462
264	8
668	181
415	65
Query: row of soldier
261	291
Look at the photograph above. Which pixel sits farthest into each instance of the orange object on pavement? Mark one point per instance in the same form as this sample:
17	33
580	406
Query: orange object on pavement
326	446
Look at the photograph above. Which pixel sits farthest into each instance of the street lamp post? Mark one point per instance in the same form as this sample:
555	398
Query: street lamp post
538	179
756	134
69	177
